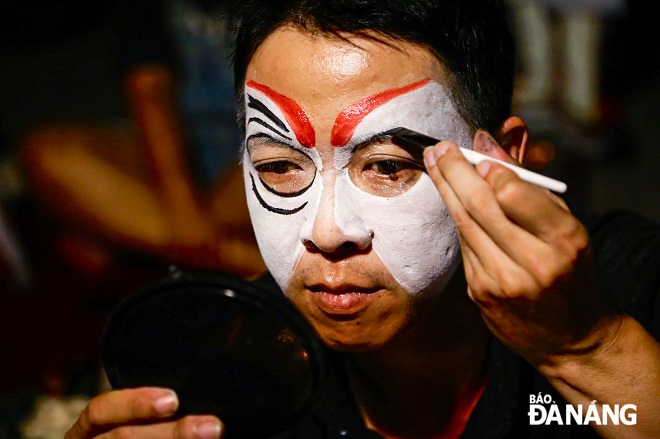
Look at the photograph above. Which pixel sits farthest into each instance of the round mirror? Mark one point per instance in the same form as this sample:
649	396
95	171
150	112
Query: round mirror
228	347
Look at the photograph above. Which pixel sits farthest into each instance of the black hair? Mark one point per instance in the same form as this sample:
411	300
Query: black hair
471	38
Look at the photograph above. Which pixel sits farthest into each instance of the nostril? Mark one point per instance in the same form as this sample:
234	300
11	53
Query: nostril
344	251
336	251
310	246
322	233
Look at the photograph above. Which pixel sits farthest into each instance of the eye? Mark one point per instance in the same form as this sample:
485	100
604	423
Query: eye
391	169
279	167
282	169
384	175
388	167
286	177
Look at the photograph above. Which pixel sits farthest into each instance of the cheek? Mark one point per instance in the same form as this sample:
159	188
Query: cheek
277	222
414	235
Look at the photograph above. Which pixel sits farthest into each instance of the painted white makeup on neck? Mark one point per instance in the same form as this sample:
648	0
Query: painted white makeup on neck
412	233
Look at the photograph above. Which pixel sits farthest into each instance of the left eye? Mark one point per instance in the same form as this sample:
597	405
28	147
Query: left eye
279	167
386	176
389	167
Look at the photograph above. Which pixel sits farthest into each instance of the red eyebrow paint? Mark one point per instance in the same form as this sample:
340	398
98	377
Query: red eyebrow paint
348	120
293	113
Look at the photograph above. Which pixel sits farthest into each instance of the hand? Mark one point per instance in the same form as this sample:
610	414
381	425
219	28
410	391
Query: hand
526	257
145	412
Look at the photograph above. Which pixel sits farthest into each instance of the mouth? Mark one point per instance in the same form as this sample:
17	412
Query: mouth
342	300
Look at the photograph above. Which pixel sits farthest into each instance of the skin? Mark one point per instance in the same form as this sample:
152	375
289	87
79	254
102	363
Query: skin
333	259
528	270
418	363
361	190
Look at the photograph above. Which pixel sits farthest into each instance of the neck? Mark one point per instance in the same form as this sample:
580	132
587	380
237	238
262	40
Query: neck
427	381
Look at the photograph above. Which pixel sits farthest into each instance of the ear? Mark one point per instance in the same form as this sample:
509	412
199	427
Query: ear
510	148
513	137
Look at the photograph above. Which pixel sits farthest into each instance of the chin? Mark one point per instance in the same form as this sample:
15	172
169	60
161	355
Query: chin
353	336
352	346
363	325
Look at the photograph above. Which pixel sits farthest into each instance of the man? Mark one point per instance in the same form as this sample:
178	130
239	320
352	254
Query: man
417	275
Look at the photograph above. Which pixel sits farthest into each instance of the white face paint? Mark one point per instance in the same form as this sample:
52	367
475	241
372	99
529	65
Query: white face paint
276	219
412	232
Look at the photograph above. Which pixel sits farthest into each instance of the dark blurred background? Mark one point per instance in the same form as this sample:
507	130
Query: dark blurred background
116	119
63	100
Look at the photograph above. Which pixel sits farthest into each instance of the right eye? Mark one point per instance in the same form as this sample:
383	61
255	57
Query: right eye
285	177
279	167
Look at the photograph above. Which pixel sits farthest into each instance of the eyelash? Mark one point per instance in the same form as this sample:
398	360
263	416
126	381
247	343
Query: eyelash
273	166
382	164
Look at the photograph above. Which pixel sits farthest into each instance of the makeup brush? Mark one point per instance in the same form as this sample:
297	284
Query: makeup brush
405	137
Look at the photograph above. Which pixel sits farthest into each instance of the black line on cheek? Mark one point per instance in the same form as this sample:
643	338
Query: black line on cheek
267	125
271	208
291	195
259	106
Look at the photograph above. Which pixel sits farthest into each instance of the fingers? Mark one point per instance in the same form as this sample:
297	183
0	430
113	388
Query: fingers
524	254
522	235
525	203
130	405
536	210
474	238
141	412
500	193
191	427
472	201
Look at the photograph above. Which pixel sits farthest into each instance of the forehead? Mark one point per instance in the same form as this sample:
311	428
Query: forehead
323	72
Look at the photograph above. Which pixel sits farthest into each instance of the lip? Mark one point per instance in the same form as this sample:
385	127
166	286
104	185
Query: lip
344	300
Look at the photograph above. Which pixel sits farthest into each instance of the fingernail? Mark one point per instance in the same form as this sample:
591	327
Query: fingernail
433	153
429	161
483	168
209	430
440	150
166	405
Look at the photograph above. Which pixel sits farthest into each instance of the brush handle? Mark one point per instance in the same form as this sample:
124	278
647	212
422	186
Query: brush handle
409	138
475	158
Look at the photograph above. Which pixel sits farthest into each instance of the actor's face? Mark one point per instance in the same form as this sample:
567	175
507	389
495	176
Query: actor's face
348	223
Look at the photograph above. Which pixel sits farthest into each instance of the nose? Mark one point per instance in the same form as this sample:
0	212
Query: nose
337	229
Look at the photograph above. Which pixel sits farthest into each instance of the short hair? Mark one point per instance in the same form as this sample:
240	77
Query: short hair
471	38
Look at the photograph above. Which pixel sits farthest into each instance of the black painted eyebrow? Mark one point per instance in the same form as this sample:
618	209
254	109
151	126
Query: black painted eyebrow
276	141
388	136
376	138
256	104
268	137
267	125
